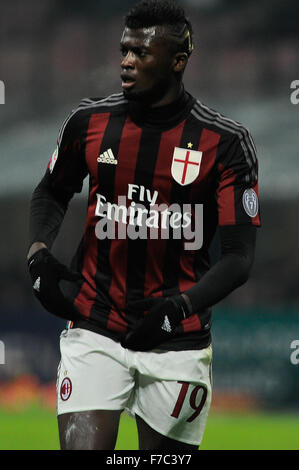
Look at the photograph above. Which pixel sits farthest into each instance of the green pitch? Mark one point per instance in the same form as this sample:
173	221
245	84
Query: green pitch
36	429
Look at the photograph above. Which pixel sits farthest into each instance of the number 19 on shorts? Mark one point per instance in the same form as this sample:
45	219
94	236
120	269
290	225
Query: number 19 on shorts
197	400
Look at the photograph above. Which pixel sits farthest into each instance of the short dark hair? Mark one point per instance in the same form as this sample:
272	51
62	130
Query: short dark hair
163	13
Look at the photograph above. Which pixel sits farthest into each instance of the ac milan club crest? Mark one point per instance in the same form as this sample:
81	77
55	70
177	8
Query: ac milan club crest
185	165
65	389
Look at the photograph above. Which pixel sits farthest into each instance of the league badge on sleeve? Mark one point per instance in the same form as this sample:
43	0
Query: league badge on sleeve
250	202
185	165
53	160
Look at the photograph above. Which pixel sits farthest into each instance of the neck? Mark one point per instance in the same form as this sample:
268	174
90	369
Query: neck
163	116
170	96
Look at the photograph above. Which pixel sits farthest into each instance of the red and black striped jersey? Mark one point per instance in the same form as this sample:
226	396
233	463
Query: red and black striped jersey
182	165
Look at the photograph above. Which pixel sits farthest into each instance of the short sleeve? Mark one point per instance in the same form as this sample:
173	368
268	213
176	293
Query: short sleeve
237	185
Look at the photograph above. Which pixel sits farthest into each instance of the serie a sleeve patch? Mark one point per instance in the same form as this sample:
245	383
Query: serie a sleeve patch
250	202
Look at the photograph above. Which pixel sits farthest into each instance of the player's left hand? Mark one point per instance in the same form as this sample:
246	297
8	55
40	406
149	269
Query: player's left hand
158	324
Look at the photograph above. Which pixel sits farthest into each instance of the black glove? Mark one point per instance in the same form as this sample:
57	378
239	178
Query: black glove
158	325
46	273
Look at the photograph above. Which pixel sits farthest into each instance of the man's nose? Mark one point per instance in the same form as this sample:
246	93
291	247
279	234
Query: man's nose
128	61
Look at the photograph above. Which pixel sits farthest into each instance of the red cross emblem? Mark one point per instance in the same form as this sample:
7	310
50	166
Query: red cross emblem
185	165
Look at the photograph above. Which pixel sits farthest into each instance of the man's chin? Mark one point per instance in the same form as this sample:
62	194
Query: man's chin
144	98
132	95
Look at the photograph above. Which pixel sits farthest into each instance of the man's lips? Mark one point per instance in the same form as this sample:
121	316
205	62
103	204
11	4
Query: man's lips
127	85
127	81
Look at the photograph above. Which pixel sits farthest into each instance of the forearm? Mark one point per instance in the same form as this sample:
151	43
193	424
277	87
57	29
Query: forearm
47	211
229	273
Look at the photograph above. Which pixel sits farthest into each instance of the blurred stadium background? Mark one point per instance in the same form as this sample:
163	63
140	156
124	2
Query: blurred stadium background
53	53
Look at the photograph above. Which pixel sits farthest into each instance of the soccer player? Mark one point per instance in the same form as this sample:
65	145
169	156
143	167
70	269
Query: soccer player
164	172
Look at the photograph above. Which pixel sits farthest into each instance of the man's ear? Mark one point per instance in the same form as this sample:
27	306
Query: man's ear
180	61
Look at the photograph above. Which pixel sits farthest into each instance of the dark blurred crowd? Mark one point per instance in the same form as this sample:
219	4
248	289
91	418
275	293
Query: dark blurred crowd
56	51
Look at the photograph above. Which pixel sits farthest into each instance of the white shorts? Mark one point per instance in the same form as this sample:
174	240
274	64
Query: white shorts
169	390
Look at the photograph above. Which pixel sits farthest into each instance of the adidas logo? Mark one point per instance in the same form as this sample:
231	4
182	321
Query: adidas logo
107	157
36	285
166	325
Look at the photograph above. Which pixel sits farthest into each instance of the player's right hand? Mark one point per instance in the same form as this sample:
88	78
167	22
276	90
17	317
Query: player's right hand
46	273
158	325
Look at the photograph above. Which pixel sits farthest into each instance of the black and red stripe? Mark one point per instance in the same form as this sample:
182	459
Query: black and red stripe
162	178
118	256
182	194
87	295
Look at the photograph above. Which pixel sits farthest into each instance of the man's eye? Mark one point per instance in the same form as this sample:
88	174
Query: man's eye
137	52
140	52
